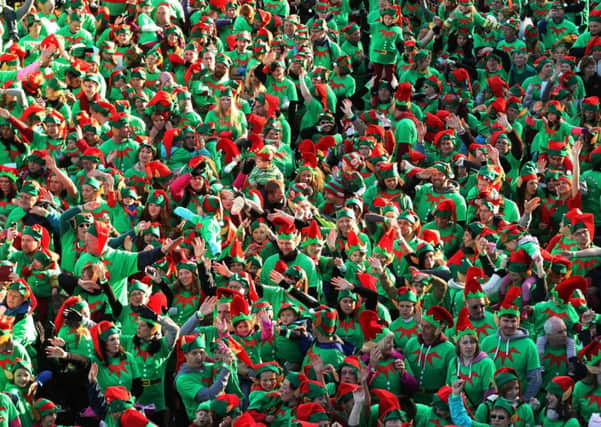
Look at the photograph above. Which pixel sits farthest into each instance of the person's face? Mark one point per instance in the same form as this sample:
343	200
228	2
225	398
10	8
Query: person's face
406	309
482	185
558	336
429	260
513	391
202	418
28	244
442	221
532	187
582	237
306	176
287	317
112	344
278	73
88	193
190	56
262	163
406	227
344	225
136	298
286	391
314	250
357	257
552	401
14	299
393	423
429	90
242	328
22	378
564	188
391	183
438	179
196	182
154	210
185	276
5	184
499	418
220	70
475	307
485	214
268	381
386	345
75	26
195	358
225	102
158	121
555	161
90	88
508	33
259	234
467	346
6	132
428	331
143	330
547	70
348	305
594	28
145	155
317	34
348	375
509	325
34	167
287	246
208	60
326	126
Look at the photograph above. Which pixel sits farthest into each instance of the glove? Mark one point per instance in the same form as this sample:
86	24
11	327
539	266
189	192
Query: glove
43	377
249	165
147	313
200	169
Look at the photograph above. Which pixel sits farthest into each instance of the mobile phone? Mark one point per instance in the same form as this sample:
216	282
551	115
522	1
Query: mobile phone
5	272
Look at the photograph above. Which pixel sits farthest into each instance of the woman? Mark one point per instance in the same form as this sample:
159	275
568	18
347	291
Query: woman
92	192
389	188
151	351
136	175
470	364
502	412
558	411
8	189
226	116
157	210
56	98
20	304
590	78
587	391
187	292
390	372
115	365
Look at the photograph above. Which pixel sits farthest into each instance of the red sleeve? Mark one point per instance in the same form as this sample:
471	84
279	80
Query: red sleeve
177	187
111	199
575	202
25	130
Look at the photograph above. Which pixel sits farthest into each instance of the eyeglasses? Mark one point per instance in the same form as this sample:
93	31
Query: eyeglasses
497	417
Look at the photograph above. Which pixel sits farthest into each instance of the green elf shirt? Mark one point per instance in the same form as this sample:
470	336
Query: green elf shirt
518	352
524	415
383	48
23	407
343	86
186	303
9	417
460	22
451	236
117	371
325	54
546	309
82	36
586	399
404	330
426	416
555	363
77	340
426	200
591	202
19	258
251	344
478	377
556	31
152	368
429	363
387	377
330	353
124	218
349	330
126	152
544	421
227	124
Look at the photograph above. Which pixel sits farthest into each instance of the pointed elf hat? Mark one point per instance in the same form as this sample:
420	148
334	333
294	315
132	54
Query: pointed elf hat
344	393
567	287
312	412
389	407
473	289
75	303
385	245
312	234
464	325
519	261
509	307
239	309
134	418
406	294
100	333
504	375
101	231
354	243
246	420
371	327
591	356
446	208
285	227
438	316
235	251
561	387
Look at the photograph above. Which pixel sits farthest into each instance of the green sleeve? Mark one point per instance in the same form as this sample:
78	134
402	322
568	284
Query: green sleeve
122	263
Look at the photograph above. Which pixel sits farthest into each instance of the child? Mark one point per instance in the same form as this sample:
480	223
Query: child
22	378
126	214
42	277
356	262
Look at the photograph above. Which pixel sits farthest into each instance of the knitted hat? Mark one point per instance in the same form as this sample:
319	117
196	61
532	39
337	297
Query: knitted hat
561	387
118	399
504	375
45	407
438	317
312	412
326	320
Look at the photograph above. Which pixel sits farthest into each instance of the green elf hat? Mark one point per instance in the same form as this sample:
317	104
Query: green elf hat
354	243
567	287
434	83
389	408
56	84
505	404
385	245
92	182
503	375
158	197
192	342
296	274
561	387
350	29
211	205
441	398
118	399
591	356
43	258
558	264
154	230
344	392
137	285
365	141
311	389
83	218
286	230
289	306
371	326
137	73
31	187
388	170
541	62
235	251
519	261
590	104
268	367
347	294
9	173
34	231
509	307
406	294
464	325
240	310
352	362
225	405
187	265
90	77
312	235
438	317
444	168
326	320
45	407
240	278
129	192
595	16
38	157
93	154
311	412
473	289
261	304
446	208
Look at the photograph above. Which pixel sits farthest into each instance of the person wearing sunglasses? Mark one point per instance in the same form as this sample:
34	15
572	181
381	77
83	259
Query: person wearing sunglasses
502	413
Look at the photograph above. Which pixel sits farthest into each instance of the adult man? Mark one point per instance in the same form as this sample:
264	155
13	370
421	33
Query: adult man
198	380
512	347
557	350
430	352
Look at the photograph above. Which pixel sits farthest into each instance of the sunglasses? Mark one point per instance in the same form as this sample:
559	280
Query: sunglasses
497	417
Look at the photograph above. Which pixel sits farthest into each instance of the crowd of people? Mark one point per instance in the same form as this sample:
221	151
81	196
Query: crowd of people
300	213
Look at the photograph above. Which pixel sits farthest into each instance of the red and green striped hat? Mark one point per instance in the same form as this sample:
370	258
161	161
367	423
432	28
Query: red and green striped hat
45	407
326	320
